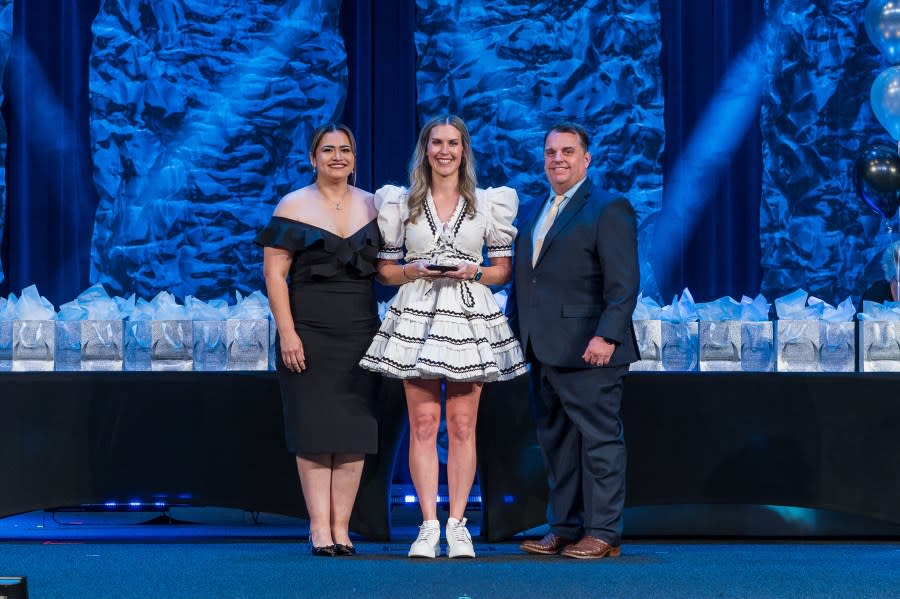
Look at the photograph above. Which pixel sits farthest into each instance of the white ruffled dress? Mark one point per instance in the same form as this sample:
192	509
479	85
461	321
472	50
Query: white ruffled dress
446	328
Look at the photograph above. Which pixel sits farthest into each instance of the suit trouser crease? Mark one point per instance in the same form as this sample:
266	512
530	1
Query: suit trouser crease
583	446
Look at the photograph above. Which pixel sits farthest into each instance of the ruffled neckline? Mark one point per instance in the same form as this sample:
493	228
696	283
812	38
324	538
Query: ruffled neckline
357	251
318	228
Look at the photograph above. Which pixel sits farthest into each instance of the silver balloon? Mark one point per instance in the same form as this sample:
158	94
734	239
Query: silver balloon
885	98
882	20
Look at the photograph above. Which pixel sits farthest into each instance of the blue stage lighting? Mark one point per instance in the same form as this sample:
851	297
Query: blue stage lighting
715	138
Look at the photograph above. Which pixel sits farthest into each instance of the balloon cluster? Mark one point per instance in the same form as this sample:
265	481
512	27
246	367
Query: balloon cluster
876	172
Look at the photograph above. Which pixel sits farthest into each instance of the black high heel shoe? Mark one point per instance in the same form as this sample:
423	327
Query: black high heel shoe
342	550
326	551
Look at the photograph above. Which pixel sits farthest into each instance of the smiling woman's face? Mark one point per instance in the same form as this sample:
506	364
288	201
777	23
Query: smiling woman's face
445	150
334	157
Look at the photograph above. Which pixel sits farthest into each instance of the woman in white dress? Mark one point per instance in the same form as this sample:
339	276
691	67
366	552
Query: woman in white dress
444	325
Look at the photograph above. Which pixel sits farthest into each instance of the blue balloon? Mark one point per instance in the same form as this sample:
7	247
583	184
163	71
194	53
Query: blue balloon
886	100
882	20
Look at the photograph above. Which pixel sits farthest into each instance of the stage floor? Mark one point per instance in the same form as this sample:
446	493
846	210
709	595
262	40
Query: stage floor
223	553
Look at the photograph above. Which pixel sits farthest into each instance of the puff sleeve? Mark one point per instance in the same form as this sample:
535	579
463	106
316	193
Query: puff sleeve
392	213
502	206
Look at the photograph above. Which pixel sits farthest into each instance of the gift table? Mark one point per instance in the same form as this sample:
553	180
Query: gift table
827	441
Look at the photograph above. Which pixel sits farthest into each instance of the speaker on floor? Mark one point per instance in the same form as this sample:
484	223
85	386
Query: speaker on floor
13	587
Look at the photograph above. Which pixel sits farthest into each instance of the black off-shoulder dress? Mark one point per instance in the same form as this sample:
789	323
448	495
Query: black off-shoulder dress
331	406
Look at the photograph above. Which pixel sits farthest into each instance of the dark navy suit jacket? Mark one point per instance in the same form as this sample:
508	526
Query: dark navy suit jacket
585	282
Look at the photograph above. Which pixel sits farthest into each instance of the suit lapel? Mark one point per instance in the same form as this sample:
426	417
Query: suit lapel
573	207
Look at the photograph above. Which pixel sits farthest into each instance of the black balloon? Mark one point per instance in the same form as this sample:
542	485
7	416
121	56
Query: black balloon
876	177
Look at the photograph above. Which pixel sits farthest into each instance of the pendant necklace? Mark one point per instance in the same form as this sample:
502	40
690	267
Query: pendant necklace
339	205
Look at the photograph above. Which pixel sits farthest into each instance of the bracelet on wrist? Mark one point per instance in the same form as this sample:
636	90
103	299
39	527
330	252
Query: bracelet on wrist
403	270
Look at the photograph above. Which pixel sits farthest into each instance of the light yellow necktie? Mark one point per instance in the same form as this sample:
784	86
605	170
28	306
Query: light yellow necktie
548	222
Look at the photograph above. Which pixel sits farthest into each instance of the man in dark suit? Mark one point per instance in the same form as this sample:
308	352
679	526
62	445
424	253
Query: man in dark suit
577	281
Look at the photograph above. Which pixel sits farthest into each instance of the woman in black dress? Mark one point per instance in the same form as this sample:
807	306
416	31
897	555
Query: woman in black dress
320	257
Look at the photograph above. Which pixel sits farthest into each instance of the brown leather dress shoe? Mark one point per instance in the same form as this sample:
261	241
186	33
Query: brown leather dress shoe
549	545
591	548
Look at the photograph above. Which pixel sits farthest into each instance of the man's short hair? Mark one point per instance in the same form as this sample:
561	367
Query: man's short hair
570	127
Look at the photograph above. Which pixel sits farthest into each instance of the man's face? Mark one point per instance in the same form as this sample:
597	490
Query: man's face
565	160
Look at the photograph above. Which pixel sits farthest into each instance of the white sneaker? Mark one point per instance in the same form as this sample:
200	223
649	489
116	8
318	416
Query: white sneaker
428	543
459	541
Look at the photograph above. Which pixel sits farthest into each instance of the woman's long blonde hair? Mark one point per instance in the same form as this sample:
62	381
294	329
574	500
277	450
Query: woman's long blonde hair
420	169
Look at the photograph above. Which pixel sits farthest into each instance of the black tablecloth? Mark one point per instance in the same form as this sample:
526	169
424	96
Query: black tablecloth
827	441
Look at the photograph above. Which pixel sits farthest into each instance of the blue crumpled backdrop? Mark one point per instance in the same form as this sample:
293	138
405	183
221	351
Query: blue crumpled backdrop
6	21
816	118
512	69
201	115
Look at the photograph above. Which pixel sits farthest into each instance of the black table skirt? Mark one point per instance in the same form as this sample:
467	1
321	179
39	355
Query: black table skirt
825	441
828	441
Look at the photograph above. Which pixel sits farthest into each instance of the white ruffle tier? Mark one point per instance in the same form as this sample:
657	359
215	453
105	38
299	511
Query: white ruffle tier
445	329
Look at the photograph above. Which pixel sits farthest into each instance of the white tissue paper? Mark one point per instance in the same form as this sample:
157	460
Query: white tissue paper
34	332
90	332
668	336
171	335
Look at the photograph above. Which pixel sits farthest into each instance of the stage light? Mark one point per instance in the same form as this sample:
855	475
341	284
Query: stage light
13	587
717	135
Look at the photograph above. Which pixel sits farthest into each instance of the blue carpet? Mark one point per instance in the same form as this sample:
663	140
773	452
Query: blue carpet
226	554
284	569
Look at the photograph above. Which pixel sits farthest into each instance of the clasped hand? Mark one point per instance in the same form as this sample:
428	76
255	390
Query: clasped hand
463	271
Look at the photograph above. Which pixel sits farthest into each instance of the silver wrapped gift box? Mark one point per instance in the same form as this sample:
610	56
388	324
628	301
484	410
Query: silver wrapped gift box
33	345
209	345
720	345
138	338
879	345
667	346
837	351
248	344
815	346
171	345
758	346
649	340
91	345
736	346
102	344
6	336
68	345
